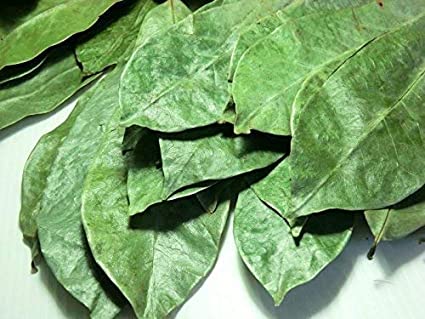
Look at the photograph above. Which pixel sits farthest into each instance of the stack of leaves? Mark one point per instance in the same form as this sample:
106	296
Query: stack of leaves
294	115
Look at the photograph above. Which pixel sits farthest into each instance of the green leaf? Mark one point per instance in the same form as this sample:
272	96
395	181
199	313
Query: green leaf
14	72
278	261
178	79
215	153
298	47
399	220
62	240
34	179
160	18
29	28
41	90
156	258
146	179
112	41
359	140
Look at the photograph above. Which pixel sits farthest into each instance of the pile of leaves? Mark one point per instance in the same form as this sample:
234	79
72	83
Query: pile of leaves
294	115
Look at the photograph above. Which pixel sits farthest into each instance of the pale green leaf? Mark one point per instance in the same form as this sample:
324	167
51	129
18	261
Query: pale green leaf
178	79
400	220
359	140
214	153
156	258
145	182
62	240
272	71
41	90
278	261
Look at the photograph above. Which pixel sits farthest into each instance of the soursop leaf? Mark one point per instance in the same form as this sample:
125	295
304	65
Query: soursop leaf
112	41
358	143
34	179
399	220
278	261
178	79
60	232
161	17
27	29
145	182
41	90
214	153
156	258
14	72
300	46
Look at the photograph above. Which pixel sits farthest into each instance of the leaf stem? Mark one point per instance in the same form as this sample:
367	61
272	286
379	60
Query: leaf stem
173	14
378	238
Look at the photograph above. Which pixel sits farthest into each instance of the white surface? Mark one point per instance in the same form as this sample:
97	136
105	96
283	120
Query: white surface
391	287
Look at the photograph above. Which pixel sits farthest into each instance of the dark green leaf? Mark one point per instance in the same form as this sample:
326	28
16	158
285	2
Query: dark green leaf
27	28
106	46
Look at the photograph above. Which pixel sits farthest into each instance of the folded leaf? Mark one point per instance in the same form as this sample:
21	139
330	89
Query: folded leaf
41	90
400	220
214	153
156	258
299	47
146	179
14	72
106	46
27	29
359	140
60	231
274	257
178	79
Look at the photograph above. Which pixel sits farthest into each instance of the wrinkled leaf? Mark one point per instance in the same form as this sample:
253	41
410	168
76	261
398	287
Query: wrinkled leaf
145	182
28	27
42	90
178	79
400	220
60	231
274	257
160	18
36	172
272	71
155	258
359	140
214	153
112	41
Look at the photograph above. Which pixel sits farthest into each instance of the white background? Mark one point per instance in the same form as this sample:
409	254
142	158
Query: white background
391	287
